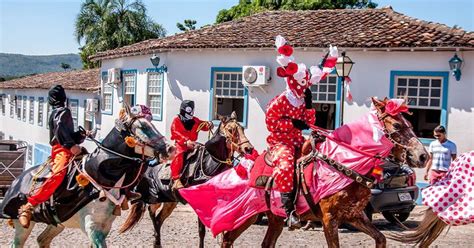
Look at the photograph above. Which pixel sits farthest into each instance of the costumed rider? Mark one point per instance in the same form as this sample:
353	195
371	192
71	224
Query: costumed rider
287	115
65	145
184	131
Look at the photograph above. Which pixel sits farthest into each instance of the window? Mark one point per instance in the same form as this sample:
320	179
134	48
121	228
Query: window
18	107
155	93
324	101
74	107
228	94
2	135
2	103
49	109
32	110
30	155
129	78
12	106
107	94
88	118
40	111
426	98
24	102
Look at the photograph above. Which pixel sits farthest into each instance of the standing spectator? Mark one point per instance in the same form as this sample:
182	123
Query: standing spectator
442	152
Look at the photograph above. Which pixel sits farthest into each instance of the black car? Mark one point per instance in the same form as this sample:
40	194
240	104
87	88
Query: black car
395	196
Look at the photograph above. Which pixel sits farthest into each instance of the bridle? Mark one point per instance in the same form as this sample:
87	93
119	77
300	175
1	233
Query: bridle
389	135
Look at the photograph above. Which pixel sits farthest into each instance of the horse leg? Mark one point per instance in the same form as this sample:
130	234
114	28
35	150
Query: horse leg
158	220
47	236
330	227
274	229
229	237
96	221
363	223
21	234
202	233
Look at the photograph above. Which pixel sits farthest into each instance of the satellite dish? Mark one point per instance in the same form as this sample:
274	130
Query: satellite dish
250	75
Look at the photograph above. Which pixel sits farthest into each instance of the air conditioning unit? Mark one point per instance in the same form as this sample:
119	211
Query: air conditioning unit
113	76
92	105
255	75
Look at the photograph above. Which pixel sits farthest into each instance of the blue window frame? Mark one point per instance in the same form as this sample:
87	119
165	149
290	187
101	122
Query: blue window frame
107	95
23	104
3	103
226	91
74	107
154	92
427	92
31	113
129	86
40	111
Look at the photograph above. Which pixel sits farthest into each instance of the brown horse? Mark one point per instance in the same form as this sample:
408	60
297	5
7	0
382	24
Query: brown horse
235	140
347	205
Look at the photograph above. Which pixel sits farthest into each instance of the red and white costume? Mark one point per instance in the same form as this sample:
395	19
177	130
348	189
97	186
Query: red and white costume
284	138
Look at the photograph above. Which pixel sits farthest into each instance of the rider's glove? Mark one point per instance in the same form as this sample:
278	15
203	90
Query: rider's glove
299	124
308	99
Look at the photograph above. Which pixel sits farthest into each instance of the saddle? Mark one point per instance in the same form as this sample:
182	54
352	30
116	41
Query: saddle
262	172
65	202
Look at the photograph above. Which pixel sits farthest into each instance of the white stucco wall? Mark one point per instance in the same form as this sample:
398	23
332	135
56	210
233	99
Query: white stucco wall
189	75
32	133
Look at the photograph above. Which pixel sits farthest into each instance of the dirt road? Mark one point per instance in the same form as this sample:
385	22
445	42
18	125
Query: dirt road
180	230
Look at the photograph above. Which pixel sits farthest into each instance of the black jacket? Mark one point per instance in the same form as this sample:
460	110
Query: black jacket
61	128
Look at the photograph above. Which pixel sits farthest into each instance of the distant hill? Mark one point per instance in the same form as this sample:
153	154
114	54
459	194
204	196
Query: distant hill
16	65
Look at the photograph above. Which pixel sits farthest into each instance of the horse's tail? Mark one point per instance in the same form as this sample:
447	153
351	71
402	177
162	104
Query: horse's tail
425	233
136	213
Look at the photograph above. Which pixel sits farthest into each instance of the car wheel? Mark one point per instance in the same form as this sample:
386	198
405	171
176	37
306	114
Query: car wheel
392	217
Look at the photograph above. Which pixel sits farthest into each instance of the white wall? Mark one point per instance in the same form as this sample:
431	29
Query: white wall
189	75
31	132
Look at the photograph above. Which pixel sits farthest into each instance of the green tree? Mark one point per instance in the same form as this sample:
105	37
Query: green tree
250	7
188	25
107	24
65	66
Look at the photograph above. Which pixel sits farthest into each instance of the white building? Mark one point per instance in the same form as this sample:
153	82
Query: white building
24	108
394	55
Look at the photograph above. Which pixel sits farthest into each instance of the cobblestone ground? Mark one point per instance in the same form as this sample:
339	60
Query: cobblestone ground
180	230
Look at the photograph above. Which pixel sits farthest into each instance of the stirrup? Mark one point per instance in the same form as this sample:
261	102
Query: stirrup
293	222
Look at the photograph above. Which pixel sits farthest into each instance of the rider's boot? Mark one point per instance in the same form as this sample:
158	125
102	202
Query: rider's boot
25	213
292	221
132	196
177	184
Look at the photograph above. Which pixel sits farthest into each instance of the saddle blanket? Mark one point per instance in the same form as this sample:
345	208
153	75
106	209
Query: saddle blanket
452	198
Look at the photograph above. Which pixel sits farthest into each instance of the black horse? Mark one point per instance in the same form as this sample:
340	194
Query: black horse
202	164
112	161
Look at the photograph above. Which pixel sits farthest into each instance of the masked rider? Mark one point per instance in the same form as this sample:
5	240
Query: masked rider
184	131
65	144
287	115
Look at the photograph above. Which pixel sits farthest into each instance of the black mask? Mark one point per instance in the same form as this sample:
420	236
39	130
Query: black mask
56	96
186	112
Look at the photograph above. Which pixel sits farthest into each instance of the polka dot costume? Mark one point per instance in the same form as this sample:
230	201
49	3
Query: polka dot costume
284	138
452	198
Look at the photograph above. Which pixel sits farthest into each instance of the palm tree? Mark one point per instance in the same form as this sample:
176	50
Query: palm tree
108	24
188	25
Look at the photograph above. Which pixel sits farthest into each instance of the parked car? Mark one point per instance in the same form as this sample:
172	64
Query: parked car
394	197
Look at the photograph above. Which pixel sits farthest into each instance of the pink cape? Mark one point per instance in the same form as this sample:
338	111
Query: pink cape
226	201
452	198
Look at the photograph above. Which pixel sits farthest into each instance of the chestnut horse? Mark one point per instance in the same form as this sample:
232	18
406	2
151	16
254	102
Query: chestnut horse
347	205
235	140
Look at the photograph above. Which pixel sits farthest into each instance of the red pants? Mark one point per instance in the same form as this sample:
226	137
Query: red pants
283	160
436	175
178	162
60	157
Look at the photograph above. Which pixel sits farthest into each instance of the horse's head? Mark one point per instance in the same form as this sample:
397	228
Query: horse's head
235	134
146	138
407	148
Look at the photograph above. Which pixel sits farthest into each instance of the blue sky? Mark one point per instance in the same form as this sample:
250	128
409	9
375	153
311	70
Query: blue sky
46	27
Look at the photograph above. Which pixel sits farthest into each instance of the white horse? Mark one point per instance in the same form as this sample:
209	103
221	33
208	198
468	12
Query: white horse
95	220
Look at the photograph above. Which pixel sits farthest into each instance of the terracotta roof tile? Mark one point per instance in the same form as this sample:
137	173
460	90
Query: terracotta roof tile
367	28
87	80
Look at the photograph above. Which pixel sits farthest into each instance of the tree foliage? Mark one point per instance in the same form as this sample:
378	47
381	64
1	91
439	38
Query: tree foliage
65	66
250	7
107	24
188	25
